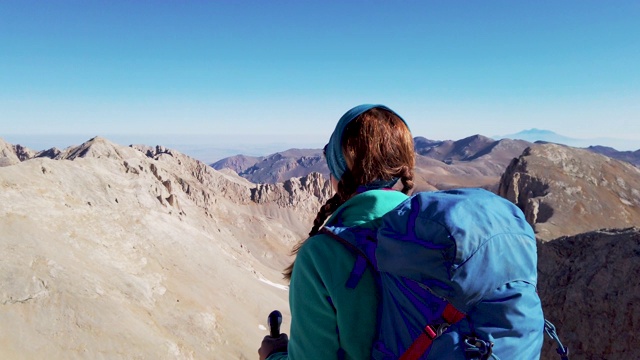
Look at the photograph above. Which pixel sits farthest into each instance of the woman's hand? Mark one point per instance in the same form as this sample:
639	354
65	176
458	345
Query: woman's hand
273	345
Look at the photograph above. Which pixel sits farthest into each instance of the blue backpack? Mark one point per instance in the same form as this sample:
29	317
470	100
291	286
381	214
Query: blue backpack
457	273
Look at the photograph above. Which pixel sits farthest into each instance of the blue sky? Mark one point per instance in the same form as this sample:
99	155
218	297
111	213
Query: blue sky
234	74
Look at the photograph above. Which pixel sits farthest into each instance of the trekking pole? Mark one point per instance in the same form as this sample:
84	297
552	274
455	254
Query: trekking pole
274	320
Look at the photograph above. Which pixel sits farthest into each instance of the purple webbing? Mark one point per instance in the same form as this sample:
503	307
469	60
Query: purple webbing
357	272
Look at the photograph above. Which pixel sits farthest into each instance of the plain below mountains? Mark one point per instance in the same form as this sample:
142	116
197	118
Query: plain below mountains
142	252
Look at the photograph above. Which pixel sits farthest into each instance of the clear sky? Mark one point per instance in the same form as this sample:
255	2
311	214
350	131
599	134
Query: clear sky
285	71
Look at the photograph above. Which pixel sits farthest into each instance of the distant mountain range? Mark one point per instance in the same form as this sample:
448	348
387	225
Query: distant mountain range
439	164
540	135
276	167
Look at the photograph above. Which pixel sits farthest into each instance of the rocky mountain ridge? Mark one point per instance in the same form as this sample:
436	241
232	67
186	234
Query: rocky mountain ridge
143	252
632	157
277	167
473	161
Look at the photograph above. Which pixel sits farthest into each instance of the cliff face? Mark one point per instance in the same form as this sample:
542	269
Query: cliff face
566	191
295	192
590	289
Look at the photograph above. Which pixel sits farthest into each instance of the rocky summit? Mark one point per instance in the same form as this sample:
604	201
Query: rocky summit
567	191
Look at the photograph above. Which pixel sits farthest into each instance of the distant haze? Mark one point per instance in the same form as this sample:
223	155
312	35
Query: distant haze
209	149
534	135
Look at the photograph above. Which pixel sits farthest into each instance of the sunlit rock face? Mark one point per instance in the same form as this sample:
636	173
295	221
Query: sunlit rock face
142	252
566	191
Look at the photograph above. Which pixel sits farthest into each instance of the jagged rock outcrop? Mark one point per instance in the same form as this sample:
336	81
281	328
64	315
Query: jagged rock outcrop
52	153
23	153
8	155
566	191
295	192
185	169
590	289
14	154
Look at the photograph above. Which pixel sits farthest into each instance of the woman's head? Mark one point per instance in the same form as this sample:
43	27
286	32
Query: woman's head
370	148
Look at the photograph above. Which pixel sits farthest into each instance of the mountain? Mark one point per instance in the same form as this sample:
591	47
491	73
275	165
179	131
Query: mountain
585	210
473	161
448	151
237	163
632	157
276	167
565	191
142	252
538	135
13	154
533	135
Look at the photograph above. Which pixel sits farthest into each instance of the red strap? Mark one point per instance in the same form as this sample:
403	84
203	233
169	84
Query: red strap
450	314
421	344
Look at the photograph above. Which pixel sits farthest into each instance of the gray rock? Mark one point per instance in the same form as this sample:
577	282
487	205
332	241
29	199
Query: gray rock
590	288
8	155
567	191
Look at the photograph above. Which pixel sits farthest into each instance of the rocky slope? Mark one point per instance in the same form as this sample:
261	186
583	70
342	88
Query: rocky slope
590	287
142	252
566	191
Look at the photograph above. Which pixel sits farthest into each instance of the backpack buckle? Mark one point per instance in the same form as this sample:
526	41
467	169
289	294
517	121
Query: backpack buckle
483	349
442	328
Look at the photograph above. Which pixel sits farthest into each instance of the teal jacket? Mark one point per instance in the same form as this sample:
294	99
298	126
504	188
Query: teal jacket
328	320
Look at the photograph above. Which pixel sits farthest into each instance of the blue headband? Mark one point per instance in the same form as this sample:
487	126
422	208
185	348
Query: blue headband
335	158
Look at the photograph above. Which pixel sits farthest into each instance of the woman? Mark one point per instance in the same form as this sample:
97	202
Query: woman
370	150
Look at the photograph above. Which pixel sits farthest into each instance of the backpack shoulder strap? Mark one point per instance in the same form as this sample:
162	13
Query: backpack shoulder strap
361	242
